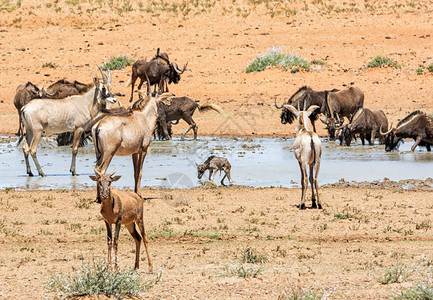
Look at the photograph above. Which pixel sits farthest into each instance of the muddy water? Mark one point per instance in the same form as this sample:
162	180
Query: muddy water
261	162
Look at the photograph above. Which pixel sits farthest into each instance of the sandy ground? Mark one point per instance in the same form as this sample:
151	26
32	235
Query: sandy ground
198	236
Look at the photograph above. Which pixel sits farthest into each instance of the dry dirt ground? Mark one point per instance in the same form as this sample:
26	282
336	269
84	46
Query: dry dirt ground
198	236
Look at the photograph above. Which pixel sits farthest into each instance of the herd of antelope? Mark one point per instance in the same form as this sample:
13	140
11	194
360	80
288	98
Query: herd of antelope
129	131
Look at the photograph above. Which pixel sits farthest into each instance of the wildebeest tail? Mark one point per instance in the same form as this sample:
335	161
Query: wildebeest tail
209	106
98	152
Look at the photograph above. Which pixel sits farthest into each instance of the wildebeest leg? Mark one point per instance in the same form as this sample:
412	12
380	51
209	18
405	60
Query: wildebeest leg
362	137
304	182
77	136
222	180
417	141
192	125
137	239
229	176
311	177
133	80
211	174
428	147
145	241
109	241
163	123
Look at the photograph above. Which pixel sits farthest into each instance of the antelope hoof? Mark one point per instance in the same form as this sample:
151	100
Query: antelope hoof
302	206
30	174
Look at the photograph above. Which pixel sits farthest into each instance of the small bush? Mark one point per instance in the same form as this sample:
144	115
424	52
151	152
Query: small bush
430	68
276	58
317	62
250	255
419	292
49	65
118	63
244	271
395	274
299	294
380	61
419	71
95	278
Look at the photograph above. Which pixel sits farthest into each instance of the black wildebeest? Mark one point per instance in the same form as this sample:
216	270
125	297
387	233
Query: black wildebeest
341	104
176	108
417	126
214	164
159	70
302	100
367	124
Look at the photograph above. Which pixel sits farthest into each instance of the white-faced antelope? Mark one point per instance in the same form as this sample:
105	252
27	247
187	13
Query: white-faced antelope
121	208
75	113
308	150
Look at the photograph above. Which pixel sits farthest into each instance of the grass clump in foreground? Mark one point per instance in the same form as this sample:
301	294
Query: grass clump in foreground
96	278
118	63
276	58
300	294
419	292
250	255
380	61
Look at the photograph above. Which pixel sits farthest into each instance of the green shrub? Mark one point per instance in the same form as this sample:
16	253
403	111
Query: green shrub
49	65
95	278
398	273
250	255
380	61
419	292
276	58
317	62
419	71
117	63
430	68
299	294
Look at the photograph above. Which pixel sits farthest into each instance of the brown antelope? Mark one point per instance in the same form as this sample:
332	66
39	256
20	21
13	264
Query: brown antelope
308	150
75	113
128	134
121	208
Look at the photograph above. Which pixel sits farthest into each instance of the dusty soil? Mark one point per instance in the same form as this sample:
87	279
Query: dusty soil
198	236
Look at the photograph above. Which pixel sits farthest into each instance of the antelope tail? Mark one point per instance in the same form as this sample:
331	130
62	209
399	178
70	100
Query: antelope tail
98	152
314	152
206	107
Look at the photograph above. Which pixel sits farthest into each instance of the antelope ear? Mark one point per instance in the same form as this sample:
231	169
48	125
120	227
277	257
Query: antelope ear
96	81
292	109
93	177
115	178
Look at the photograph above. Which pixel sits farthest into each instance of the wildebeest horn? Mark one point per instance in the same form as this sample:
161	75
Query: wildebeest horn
104	77
275	101
324	121
384	133
175	122
338	119
176	68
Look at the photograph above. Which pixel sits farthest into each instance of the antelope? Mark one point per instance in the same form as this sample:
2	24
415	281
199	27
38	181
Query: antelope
128	134
121	208
308	150
75	113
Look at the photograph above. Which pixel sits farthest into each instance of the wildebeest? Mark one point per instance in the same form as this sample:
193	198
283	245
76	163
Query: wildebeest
214	164
366	123
121	208
176	108
75	113
302	100
307	148
158	69
23	95
417	126
341	104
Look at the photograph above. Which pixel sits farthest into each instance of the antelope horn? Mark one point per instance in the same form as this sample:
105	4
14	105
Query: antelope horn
275	101
109	76
384	133
305	105
104	77
96	171
112	173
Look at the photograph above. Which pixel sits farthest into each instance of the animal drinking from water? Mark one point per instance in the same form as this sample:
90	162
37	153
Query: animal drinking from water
214	164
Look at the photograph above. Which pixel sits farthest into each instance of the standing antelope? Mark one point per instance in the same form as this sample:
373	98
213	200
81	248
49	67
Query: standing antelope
121	208
128	134
75	113
308	150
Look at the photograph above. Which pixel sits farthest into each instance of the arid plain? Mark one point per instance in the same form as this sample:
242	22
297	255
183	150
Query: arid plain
198	235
